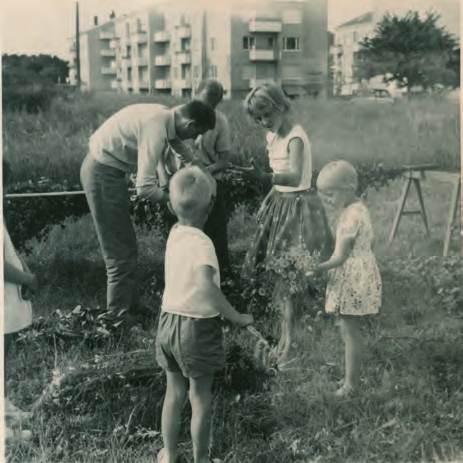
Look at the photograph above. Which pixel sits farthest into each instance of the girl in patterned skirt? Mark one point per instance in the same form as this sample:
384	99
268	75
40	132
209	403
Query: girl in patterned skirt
354	287
291	220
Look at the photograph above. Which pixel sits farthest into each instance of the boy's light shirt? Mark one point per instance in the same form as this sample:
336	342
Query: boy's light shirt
187	249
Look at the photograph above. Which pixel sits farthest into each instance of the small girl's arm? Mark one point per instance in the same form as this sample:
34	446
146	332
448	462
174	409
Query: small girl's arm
343	248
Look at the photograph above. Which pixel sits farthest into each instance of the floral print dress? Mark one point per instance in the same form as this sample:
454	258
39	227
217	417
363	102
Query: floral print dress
355	287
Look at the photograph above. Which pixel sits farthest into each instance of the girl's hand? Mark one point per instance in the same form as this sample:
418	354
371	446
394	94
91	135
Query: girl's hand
32	283
250	173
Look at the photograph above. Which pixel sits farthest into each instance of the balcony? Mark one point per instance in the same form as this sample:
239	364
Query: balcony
108	52
114	84
140	37
264	25
142	61
113	43
162	83
264	55
162	60
161	36
143	85
184	58
184	32
184	83
109	70
291	81
107	35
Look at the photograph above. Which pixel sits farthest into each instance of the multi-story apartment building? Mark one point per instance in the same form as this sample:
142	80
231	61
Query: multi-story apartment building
346	53
169	50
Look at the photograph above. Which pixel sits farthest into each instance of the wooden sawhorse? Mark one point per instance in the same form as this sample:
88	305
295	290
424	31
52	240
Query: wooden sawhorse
414	174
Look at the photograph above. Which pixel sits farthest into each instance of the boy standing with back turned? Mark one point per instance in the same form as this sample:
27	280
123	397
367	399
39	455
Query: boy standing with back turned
189	338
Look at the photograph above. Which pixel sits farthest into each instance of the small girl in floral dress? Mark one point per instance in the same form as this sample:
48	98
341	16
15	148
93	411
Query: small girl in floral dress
354	287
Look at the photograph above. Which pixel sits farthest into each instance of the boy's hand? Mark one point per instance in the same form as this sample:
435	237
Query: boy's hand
244	320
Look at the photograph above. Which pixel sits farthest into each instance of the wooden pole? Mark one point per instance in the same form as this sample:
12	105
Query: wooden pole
78	79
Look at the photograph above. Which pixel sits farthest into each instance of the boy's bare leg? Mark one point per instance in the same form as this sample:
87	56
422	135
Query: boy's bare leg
177	386
201	405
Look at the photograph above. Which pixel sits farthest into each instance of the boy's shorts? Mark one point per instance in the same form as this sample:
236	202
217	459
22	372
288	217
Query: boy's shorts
191	346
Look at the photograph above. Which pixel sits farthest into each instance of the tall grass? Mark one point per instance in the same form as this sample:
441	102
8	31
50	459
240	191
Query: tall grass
54	143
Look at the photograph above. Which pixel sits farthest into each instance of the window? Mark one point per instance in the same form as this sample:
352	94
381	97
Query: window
213	71
196	71
271	42
212	44
127	29
291	44
249	42
292	16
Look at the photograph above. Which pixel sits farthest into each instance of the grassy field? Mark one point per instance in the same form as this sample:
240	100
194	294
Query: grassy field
410	406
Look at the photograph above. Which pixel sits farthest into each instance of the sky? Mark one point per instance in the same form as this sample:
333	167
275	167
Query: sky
45	26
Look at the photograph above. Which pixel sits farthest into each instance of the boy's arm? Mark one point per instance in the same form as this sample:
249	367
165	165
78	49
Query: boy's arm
210	295
17	276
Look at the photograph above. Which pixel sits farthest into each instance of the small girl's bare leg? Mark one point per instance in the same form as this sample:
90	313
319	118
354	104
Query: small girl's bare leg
288	315
350	326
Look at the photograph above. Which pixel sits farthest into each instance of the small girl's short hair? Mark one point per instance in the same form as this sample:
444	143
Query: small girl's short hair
267	97
338	174
213	89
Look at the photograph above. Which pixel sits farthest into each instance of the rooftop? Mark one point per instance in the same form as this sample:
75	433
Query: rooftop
364	18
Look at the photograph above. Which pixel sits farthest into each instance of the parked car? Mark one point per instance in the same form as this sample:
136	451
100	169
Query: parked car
372	95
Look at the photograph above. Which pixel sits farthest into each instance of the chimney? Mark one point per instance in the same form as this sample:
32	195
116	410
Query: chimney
95	20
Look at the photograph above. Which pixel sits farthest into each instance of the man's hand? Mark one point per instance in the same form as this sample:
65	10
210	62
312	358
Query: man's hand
244	320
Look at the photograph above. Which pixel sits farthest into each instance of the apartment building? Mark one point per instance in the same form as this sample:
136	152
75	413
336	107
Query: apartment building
346	53
167	49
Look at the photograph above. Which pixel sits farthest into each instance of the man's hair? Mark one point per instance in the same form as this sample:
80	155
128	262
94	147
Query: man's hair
201	112
7	172
190	192
213	89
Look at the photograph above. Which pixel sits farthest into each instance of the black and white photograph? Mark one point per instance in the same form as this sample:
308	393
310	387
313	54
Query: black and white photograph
231	231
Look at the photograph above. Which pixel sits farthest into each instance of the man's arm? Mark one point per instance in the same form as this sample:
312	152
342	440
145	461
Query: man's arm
151	145
182	150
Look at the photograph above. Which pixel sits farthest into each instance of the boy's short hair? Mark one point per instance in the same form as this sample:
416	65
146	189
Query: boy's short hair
213	89
201	112
191	191
267	97
7	172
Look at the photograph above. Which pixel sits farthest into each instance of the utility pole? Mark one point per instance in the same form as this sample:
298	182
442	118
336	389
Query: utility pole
78	81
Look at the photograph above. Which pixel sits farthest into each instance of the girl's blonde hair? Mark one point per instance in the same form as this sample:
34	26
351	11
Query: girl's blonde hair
339	175
267	97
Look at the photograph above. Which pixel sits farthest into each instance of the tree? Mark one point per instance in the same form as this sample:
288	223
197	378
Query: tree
411	50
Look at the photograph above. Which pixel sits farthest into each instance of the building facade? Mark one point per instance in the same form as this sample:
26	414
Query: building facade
346	53
169	50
